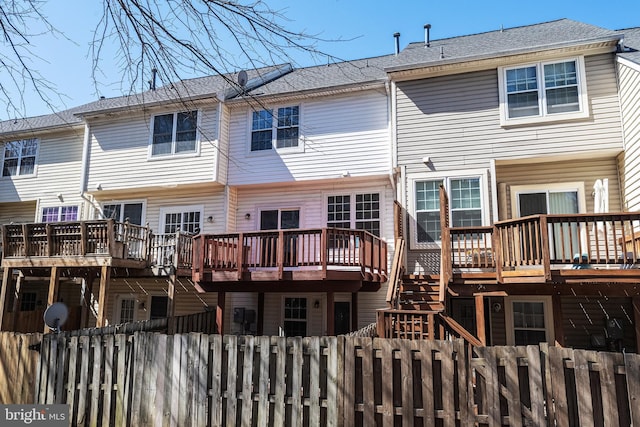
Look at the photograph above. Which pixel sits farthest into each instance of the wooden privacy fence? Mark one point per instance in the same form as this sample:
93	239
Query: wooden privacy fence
18	366
213	380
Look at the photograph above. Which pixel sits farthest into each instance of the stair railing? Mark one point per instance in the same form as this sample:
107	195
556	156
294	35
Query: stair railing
395	278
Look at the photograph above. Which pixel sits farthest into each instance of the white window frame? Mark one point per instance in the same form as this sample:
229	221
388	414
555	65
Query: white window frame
308	309
173	153
352	207
517	190
35	161
59	207
446	177
544	116
548	316
274	131
118	307
122	203
179	209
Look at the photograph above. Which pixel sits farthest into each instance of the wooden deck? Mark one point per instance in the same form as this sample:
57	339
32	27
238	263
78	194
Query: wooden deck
545	249
97	243
323	259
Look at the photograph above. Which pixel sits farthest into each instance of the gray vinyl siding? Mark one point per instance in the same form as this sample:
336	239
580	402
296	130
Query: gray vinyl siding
455	120
338	134
58	168
119	155
629	94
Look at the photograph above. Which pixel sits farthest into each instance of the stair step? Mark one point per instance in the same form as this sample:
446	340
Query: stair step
422	296
435	307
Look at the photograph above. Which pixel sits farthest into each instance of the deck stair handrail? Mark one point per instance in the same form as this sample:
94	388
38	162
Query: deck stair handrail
397	270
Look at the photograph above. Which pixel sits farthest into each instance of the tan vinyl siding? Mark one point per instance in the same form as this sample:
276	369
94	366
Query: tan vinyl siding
341	134
629	94
455	121
186	299
586	171
17	212
119	155
58	168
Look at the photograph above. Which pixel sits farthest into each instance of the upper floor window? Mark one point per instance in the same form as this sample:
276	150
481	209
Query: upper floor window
279	131
174	133
359	211
543	91
60	214
19	157
466	202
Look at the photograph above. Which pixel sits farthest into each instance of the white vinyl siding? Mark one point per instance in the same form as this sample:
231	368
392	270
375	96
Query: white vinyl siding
629	94
119	155
336	132
59	164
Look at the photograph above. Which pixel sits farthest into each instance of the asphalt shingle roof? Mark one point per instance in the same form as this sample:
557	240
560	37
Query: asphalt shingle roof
502	42
333	75
632	44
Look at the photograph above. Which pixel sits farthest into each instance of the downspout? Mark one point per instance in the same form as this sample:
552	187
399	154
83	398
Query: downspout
391	123
85	158
494	191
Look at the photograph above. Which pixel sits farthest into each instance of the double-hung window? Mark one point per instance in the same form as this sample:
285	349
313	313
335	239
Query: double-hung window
279	128
295	317
59	213
543	91
466	202
175	133
19	157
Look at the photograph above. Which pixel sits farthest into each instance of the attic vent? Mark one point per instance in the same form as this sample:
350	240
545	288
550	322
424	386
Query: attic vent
242	78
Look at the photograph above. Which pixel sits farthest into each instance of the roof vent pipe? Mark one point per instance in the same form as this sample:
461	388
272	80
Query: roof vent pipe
152	83
397	37
427	38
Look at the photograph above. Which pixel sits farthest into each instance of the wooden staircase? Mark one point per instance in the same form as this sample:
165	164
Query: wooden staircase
416	307
420	293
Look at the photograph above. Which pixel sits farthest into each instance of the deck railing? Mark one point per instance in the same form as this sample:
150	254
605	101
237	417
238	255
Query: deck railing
288	249
172	249
76	238
546	242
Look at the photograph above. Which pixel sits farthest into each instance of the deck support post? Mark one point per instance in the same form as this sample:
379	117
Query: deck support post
11	323
331	315
260	315
481	331
87	292
635	301
105	278
54	288
171	292
6	274
354	311
220	312
558	328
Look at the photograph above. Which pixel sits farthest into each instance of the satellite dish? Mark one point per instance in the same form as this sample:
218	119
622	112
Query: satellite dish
55	315
242	78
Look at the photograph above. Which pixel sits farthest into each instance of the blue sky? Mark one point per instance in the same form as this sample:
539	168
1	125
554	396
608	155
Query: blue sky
366	28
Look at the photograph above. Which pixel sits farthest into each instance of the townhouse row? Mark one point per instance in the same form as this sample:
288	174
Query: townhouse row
293	190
